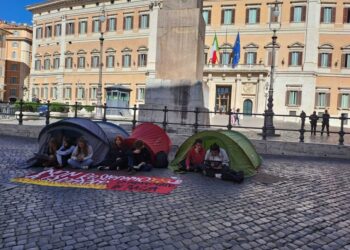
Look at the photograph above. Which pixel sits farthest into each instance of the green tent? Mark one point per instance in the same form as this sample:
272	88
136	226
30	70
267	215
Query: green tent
240	150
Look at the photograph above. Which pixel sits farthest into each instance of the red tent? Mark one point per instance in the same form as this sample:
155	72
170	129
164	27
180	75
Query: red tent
154	137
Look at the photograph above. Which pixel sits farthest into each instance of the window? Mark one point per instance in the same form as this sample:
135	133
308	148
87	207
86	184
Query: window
110	61
45	93
14	55
142	60
82	27
297	14
128	23
48	31
93	93
140	93
58	30
225	58
13	80
54	92
324	60
69	63
15	33
13	92
252	16
96	26
80	93
322	99
295	58
344	101
346	15
293	98
37	64
250	58
67	93
345	58
126	61
327	15
227	16
47	64
15	44
14	67
56	63
144	21
70	28
39	33
207	16
95	61
81	62
112	24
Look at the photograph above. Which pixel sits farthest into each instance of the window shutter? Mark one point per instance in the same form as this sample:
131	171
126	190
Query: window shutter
140	21
319	59
246	15
290	59
124	22
107	24
345	15
339	100
255	56
113	61
76	93
291	14
258	15
209	16
300	58
93	25
233	16
132	22
322	15
328	99
79	28
343	56
64	93
330	60
316	99
287	98
222	16
67	28
299	98
303	13
333	15
245	57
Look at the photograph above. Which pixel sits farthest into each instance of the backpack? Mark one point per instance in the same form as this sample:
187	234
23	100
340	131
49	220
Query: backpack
161	160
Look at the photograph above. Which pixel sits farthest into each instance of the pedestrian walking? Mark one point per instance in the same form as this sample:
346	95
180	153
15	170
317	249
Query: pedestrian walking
325	122
313	121
237	117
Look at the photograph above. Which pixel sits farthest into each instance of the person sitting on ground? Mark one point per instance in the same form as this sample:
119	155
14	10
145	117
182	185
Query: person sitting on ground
139	159
195	158
82	155
48	158
118	158
64	152
216	159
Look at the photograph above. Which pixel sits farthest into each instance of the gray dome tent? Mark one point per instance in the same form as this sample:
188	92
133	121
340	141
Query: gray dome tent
100	135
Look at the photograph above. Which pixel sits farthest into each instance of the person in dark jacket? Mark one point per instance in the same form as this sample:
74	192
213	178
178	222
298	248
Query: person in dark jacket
313	121
118	158
139	159
325	122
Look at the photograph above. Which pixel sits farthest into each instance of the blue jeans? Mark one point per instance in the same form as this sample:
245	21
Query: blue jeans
79	164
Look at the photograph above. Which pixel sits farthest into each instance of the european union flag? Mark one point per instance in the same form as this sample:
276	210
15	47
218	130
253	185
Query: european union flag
236	51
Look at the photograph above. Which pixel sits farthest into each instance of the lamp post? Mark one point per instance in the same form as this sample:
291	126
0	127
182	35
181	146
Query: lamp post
102	18
274	25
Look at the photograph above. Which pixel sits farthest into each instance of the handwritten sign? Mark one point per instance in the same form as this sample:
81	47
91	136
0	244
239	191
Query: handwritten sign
66	178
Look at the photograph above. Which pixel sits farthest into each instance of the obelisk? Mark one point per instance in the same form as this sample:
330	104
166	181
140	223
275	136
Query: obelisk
175	62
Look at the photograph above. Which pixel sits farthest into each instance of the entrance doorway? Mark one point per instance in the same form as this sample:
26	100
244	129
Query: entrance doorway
223	98
247	107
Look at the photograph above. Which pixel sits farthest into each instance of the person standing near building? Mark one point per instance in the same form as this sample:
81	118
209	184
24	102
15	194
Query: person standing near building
325	122
313	121
237	117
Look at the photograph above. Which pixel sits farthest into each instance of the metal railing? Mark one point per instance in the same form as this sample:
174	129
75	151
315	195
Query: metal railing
165	124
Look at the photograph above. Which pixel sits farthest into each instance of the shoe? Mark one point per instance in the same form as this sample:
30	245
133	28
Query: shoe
84	167
103	168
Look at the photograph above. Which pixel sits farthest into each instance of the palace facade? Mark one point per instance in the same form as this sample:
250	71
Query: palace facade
312	53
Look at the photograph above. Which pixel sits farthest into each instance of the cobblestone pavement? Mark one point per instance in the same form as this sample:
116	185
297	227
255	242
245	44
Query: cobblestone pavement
292	203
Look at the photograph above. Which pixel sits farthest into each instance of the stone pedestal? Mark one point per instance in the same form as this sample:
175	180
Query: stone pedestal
178	60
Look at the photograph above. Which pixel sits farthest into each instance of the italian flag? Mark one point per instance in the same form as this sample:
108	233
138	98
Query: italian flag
214	51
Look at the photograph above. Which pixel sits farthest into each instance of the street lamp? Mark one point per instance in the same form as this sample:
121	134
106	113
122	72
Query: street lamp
102	18
274	25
